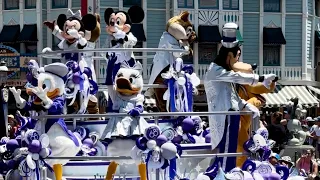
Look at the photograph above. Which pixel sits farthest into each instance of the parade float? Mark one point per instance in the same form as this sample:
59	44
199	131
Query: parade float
127	144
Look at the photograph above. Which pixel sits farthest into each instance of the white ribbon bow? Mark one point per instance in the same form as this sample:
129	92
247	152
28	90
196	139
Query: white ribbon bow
76	14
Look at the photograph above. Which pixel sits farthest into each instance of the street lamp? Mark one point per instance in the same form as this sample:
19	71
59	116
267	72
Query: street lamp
3	100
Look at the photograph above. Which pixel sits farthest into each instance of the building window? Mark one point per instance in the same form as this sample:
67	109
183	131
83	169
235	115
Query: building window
129	3
317	7
59	3
30	4
271	55
31	48
207	52
185	4
208	4
11	4
231	4
137	54
272	5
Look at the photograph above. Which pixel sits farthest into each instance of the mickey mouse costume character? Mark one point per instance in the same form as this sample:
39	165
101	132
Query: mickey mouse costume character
71	29
119	36
222	96
50	100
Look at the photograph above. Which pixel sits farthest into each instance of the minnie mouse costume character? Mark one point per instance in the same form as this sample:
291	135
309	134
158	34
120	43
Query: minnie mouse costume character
71	29
119	36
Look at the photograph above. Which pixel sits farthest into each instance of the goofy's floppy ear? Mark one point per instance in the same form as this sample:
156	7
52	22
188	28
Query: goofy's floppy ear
62	18
107	14
89	21
184	16
136	14
137	66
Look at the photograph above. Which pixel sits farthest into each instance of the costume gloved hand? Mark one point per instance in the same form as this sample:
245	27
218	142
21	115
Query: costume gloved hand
252	108
136	111
17	96
268	78
42	94
119	34
74	33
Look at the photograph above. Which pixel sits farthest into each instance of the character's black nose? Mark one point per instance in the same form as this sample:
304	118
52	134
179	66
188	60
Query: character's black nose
111	23
254	66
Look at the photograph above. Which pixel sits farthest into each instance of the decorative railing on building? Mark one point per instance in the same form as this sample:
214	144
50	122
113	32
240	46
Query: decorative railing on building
290	73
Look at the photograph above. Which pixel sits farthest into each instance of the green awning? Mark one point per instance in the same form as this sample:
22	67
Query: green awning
239	37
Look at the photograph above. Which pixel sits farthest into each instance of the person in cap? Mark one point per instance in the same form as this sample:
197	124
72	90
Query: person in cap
274	159
13	126
219	84
286	161
315	134
50	100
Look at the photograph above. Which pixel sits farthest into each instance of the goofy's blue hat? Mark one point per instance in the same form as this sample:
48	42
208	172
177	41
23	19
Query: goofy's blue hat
229	35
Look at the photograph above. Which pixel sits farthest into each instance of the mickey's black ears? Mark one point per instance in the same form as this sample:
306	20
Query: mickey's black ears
62	18
89	21
107	14
136	14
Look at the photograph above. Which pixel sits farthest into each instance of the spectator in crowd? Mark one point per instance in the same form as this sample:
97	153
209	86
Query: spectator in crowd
315	134
286	161
277	132
306	129
274	159
306	164
13	126
286	115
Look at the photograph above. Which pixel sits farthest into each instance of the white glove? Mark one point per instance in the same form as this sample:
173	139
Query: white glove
252	108
47	49
268	78
42	94
74	33
119	34
17	96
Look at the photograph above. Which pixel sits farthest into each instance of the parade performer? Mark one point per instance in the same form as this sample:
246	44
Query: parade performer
179	34
71	29
119	36
221	95
251	94
50	101
126	96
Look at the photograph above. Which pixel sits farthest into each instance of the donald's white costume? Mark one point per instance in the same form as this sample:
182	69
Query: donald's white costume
221	95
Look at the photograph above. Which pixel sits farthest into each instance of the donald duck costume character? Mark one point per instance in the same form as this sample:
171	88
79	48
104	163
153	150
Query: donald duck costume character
49	100
221	95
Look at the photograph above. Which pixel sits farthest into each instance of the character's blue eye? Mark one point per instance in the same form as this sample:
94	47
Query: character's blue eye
46	84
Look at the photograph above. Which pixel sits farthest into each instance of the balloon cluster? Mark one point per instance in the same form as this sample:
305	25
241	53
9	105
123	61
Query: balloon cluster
36	151
155	149
260	144
24	156
190	130
89	141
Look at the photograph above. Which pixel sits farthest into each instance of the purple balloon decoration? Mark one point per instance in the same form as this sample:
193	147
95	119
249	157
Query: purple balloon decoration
249	165
88	142
205	132
187	125
93	152
35	146
177	139
207	138
284	171
273	176
87	71
141	143
152	132
247	145
161	140
12	145
77	78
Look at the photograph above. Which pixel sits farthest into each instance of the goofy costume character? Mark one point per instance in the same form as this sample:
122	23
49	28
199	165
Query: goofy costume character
219	85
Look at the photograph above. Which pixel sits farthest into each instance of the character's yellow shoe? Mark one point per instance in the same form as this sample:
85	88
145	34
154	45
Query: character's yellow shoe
112	168
57	168
142	171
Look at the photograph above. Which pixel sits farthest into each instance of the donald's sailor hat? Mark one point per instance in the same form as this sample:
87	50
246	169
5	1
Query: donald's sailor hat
229	35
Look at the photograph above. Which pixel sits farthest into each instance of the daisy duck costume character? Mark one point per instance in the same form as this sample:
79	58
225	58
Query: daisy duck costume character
179	34
126	96
219	84
119	36
50	100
